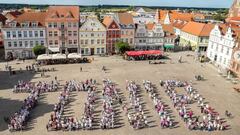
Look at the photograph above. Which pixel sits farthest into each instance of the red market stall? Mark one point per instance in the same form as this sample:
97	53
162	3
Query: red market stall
144	55
139	53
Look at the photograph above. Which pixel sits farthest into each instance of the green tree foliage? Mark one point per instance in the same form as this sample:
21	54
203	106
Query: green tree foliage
39	49
221	15
122	47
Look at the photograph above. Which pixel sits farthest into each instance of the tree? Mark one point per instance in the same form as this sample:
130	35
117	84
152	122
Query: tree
122	47
39	49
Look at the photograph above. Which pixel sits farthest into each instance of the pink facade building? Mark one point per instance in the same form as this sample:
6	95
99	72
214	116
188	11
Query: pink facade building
62	24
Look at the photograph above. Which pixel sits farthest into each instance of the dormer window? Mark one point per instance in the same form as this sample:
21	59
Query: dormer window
34	24
13	24
25	24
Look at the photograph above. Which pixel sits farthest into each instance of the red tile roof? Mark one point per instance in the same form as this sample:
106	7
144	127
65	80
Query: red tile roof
125	18
150	26
63	13
198	29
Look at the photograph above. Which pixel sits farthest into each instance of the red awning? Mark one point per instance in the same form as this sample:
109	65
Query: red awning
139	53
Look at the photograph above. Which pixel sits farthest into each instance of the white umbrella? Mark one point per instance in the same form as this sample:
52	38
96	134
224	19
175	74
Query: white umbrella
44	57
74	56
58	56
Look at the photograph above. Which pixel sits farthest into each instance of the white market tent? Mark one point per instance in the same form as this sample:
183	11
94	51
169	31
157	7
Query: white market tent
44	57
58	56
74	56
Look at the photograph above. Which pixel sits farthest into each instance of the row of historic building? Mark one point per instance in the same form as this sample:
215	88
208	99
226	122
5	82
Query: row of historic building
60	30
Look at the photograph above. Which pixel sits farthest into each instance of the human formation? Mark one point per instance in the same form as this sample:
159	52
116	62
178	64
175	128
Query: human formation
210	120
136	116
57	119
41	86
165	120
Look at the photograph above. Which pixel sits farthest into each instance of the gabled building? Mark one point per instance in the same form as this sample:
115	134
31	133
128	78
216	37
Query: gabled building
149	37
195	36
169	37
92	37
234	10
3	20
62	25
12	15
127	26
113	34
235	59
177	26
23	33
221	45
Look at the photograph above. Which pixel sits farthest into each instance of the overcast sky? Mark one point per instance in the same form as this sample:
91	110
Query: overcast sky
185	3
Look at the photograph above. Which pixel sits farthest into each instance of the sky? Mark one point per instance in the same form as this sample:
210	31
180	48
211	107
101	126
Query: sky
178	3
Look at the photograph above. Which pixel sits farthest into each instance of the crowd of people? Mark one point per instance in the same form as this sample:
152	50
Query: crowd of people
59	122
19	119
136	118
165	120
110	97
210	119
88	117
87	85
26	87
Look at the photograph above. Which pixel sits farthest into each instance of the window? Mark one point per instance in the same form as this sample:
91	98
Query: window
69	42
15	43
55	33
131	40
62	25
74	33
98	41
69	24
86	51
227	51
50	33
14	34
20	43
36	43
86	42
9	44
82	42
8	34
25	34
19	34
26	43
36	33
50	42
98	50
31	43
30	34
41	33
74	24
92	35
102	50
69	33
50	25
75	42
55	25
42	42
34	24
103	41
56	42
92	41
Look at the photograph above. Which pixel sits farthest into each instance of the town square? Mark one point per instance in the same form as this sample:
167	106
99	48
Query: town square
120	67
216	90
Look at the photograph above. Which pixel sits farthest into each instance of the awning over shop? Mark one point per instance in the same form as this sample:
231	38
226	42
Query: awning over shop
169	46
54	49
139	53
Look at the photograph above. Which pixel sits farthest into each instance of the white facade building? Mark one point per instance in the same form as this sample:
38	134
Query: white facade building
92	37
149	37
21	35
221	46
